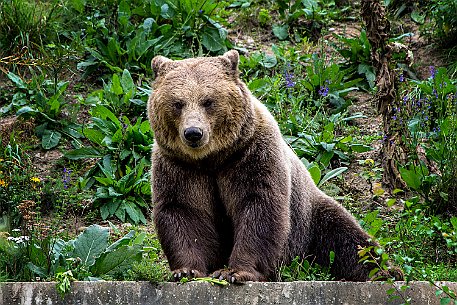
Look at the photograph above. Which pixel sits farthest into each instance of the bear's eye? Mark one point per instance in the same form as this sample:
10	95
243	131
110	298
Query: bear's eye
178	105
208	103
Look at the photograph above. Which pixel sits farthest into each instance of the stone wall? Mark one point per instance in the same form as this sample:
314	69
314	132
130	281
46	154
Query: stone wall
139	293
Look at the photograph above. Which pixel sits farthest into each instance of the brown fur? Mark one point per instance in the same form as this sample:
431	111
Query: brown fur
239	202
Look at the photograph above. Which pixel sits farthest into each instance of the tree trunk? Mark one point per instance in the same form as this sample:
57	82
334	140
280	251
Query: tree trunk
377	28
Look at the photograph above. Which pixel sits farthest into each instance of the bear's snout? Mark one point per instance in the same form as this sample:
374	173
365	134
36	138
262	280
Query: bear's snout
193	135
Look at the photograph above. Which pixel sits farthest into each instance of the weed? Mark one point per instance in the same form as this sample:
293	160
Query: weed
304	270
426	116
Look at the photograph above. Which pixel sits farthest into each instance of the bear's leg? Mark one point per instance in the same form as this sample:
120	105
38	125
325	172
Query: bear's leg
186	219
259	239
334	229
189	241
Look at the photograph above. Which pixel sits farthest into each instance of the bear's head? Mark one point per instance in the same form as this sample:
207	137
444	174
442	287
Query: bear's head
198	106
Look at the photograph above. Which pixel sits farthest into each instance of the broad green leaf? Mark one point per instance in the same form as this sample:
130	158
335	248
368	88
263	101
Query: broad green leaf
116	85
117	261
113	206
369	73
127	81
454	222
50	139
124	241
411	178
17	80
417	17
120	212
360	148
26	110
78	5
332	174
117	137
94	135
390	202
281	31
165	11
112	192
315	173
310	4
90	244
103	113
212	40
268	61
132	212
40	271
145	127
83	153
105	182
123	13
445	301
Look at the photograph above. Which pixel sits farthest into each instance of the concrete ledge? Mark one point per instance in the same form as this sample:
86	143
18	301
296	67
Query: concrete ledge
139	293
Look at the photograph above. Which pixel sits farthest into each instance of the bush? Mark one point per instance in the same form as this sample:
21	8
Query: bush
443	14
427	116
26	24
128	33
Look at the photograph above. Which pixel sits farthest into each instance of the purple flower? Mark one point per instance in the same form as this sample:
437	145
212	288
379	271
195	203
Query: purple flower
323	91
402	78
289	79
66	177
200	11
432	71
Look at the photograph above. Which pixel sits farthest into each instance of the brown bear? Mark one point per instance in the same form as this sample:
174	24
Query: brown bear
231	199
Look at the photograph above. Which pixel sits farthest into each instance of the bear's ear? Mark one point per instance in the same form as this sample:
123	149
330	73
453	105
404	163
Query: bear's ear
159	65
231	59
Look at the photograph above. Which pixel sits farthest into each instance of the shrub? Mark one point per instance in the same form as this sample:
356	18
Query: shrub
130	32
443	14
26	24
427	117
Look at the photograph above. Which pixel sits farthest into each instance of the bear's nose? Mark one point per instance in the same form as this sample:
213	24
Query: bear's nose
193	134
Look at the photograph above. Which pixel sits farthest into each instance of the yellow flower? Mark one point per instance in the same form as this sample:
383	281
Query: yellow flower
3	183
35	179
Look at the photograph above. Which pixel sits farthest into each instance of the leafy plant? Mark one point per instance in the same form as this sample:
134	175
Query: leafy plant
26	25
427	116
322	145
328	81
43	100
120	95
123	151
303	270
315	12
443	13
141	30
124	197
17	184
357	52
89	256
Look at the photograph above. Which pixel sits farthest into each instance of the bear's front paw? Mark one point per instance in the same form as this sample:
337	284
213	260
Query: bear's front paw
237	276
178	274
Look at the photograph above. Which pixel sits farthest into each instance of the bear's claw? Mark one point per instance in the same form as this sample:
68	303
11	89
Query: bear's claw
237	276
178	274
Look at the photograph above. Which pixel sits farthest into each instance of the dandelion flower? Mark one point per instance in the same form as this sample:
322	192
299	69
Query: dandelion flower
35	179
3	183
